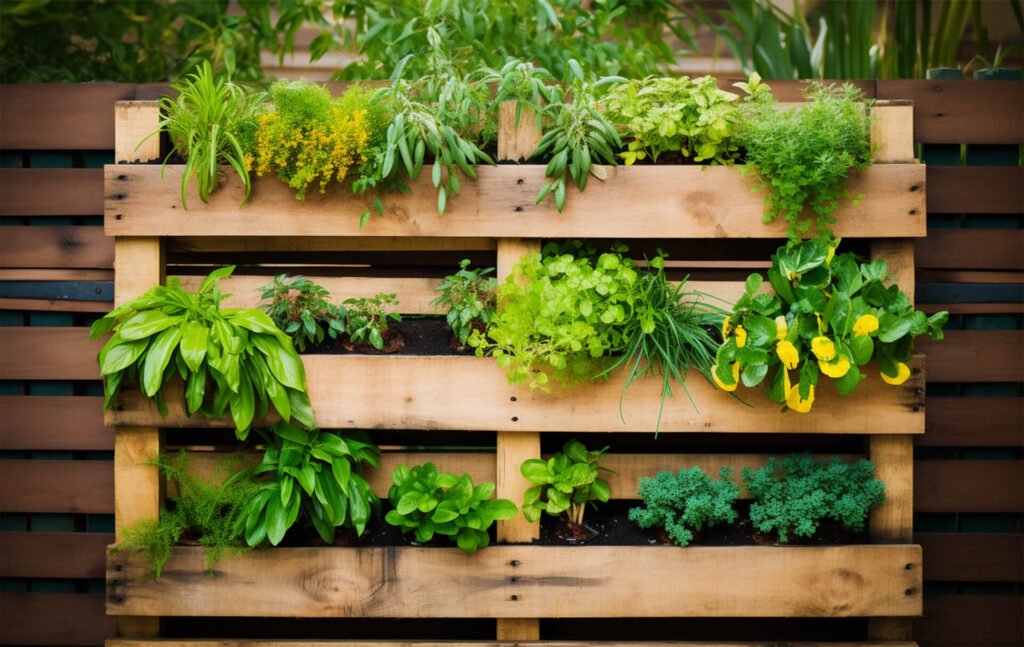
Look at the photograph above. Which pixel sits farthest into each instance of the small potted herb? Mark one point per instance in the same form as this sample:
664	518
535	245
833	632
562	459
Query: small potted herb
562	487
470	298
683	505
300	308
368	329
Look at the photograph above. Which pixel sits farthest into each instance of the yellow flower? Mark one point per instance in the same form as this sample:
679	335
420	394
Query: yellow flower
831	253
787	354
902	373
726	328
735	377
798	404
781	328
823	348
866	324
836	369
741	337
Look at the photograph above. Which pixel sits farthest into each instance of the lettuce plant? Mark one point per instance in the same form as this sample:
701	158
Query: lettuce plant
564	483
685	503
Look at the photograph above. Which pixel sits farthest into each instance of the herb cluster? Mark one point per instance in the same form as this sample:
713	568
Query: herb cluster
564	483
470	297
685	503
300	308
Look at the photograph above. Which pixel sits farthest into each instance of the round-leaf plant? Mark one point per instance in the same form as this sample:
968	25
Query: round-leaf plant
564	483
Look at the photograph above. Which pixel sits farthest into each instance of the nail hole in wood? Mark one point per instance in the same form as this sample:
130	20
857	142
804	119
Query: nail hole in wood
514	562
117	216
909	567
122	177
909	592
915	187
520	181
518	209
913	212
515	418
513	398
515	598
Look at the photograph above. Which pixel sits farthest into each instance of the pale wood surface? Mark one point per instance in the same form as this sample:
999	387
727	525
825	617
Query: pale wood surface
633	202
517	629
243	243
133	121
527	582
892	133
899	254
516	142
470	393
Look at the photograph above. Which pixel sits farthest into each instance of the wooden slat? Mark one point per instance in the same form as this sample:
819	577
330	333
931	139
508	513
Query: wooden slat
893	456
971	249
56	275
973	422
135	125
54	305
44	422
57	486
48	353
528	581
975	356
46	247
972	557
185	244
974	308
60	116
54	554
51	192
507	642
962	112
53	618
892	133
345	394
680	202
969	486
975	189
989	620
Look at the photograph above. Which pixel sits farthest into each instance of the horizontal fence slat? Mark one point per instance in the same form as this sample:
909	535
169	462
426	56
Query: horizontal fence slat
45	422
48	353
973	422
56	247
971	249
53	618
990	620
968	486
962	112
55	305
71	486
972	557
486	643
54	554
51	192
58	274
975	189
975	356
60	116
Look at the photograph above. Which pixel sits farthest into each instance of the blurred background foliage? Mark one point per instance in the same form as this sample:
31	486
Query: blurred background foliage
143	41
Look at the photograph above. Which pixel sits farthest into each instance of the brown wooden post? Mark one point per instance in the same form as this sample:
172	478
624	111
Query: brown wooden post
138	266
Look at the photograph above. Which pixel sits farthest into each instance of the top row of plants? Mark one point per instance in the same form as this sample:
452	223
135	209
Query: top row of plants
373	140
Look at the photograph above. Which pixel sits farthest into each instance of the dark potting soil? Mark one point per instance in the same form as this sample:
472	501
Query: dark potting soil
427	336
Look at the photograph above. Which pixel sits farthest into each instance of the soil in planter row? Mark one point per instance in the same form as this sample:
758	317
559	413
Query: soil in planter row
428	336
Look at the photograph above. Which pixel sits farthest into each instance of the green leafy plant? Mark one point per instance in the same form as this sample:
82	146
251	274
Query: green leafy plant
368	318
560	315
689	117
804	156
793	496
428	503
315	474
832	315
685	503
205	124
300	308
230	359
207	510
565	483
470	298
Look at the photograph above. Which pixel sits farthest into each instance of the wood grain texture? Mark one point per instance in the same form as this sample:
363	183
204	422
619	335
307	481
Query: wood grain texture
517	138
54	554
344	393
53	619
973	557
56	486
501	642
893	456
971	249
969	486
962	112
975	189
45	353
134	122
892	133
60	116
55	247
975	356
43	422
661	202
899	254
54	305
973	422
396	244
528	581
51	192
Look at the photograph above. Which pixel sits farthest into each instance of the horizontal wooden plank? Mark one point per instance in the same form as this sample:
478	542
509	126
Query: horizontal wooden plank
973	308
55	305
178	642
660	202
54	554
528	582
60	116
972	557
48	353
975	189
45	422
968	486
51	192
72	486
989	620
469	393
971	249
55	275
335	244
975	356
973	422
49	247
962	112
53	618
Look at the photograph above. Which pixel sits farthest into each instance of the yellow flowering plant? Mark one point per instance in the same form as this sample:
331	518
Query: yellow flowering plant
830	315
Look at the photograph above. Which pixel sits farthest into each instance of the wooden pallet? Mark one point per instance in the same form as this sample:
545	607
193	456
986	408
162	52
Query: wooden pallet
518	583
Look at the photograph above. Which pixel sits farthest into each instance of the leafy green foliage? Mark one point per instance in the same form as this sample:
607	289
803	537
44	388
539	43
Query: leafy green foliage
300	308
368	318
470	298
691	117
207	509
560	315
685	503
429	503
564	483
315	474
832	315
205	124
803	156
231	359
795	495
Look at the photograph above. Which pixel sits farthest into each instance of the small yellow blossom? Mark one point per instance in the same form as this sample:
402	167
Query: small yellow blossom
787	353
798	404
735	377
831	254
902	373
866	324
837	368
781	328
823	348
741	337
726	328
